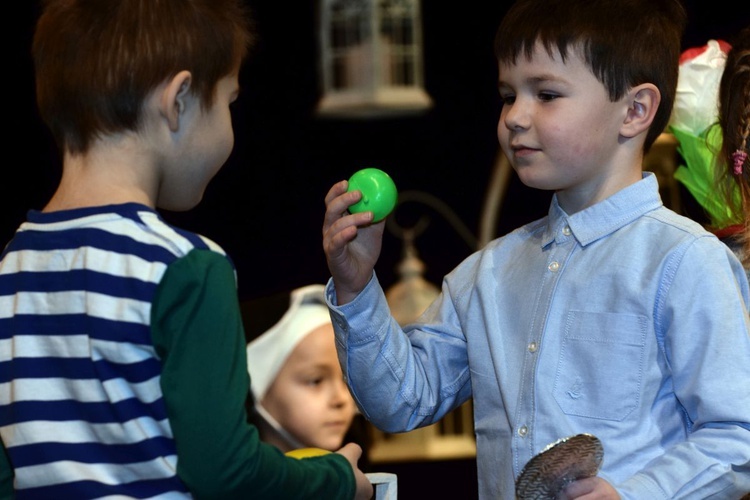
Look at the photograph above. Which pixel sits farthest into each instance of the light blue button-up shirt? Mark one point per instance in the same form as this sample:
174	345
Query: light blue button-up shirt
624	320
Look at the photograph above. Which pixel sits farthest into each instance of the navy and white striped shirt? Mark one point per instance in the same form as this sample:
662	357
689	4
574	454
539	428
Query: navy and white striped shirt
82	413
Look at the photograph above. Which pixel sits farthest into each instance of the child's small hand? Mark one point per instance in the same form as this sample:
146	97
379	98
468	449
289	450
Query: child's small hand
590	488
353	452
351	242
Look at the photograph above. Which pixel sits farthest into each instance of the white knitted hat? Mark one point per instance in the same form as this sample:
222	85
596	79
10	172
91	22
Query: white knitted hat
267	353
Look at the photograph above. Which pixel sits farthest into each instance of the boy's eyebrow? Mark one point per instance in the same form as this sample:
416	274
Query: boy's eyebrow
547	78
543	78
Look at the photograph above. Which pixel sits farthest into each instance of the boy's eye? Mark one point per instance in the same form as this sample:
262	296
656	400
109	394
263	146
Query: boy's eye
314	381
547	96
508	98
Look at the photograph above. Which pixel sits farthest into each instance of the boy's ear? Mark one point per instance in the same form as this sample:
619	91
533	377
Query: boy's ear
174	98
643	101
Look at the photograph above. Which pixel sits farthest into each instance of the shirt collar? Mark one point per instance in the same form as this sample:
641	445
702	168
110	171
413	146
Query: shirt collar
607	216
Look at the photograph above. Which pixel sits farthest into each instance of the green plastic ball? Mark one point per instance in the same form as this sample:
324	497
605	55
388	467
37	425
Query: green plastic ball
379	193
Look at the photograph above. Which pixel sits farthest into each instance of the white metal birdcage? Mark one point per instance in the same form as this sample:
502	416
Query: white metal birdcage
371	60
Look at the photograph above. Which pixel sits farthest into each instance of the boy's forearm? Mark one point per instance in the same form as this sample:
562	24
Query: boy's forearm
198	329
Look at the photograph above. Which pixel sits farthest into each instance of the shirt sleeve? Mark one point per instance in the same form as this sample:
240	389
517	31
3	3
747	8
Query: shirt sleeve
6	475
707	350
197	331
392	371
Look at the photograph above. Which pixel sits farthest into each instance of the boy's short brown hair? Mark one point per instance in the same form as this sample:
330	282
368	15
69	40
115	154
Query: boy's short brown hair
624	42
96	61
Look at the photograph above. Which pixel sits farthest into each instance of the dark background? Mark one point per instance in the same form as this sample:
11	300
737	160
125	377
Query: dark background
266	205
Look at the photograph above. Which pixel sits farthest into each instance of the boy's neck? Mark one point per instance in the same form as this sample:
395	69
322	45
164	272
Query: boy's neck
575	199
112	171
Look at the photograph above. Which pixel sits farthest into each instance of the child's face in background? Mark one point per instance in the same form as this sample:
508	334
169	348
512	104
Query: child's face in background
558	127
309	397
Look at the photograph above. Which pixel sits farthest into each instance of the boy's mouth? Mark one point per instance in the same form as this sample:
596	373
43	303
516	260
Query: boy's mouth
520	150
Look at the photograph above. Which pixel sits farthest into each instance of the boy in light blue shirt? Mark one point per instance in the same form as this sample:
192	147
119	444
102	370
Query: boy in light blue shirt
612	315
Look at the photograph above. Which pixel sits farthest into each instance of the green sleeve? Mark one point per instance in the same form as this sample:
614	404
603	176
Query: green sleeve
197	332
6	475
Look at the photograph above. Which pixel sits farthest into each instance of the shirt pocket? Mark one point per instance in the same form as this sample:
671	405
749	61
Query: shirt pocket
600	370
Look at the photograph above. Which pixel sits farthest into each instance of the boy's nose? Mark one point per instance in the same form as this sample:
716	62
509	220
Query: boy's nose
515	116
340	393
510	120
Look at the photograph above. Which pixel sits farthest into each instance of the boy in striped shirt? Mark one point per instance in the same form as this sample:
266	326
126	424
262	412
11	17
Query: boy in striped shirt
122	354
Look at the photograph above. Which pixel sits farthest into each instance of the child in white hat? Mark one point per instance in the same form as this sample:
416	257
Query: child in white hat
300	397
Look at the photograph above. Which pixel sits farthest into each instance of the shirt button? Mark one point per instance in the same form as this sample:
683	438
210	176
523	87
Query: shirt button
532	347
523	430
566	231
554	266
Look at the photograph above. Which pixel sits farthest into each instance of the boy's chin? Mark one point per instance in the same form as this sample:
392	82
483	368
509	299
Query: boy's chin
179	205
330	443
533	180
